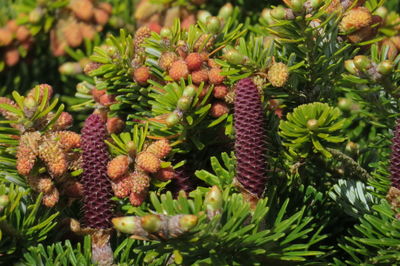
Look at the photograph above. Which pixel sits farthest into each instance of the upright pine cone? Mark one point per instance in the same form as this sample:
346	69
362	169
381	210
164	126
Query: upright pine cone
250	138
27	152
96	185
395	159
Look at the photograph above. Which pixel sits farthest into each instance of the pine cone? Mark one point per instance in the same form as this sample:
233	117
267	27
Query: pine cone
395	158
140	36
178	70
122	187
250	138
148	162
40	184
96	185
278	74
140	182
356	18
50	199
52	153
69	140
215	77
118	166
63	122
166	60
160	148
27	152
137	199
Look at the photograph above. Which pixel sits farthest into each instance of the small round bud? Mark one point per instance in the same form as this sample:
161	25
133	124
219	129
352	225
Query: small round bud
345	104
188	221
278	12
352	147
172	119
213	25
382	12
127	224
312	124
315	3
233	56
297	5
82	87
151	223
351	67
165	33
266	16
213	200
362	62
385	67
189	91
226	11
203	15
184	103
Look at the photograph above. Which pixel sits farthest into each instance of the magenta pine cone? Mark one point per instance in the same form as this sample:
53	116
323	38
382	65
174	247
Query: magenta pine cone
250	142
97	187
395	158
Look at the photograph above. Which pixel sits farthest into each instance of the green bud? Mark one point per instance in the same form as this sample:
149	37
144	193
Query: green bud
352	147
278	12
187	222
172	119
233	56
312	124
345	104
131	148
385	67
213	199
127	224
350	66
382	12
226	11
184	103
203	16
70	68
315	3
189	91
111	50
213	25
266	16
297	5
82	87
165	33
75	226
151	223
362	62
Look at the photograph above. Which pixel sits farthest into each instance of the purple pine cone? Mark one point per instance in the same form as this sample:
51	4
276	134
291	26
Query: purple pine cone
250	142
97	187
395	159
